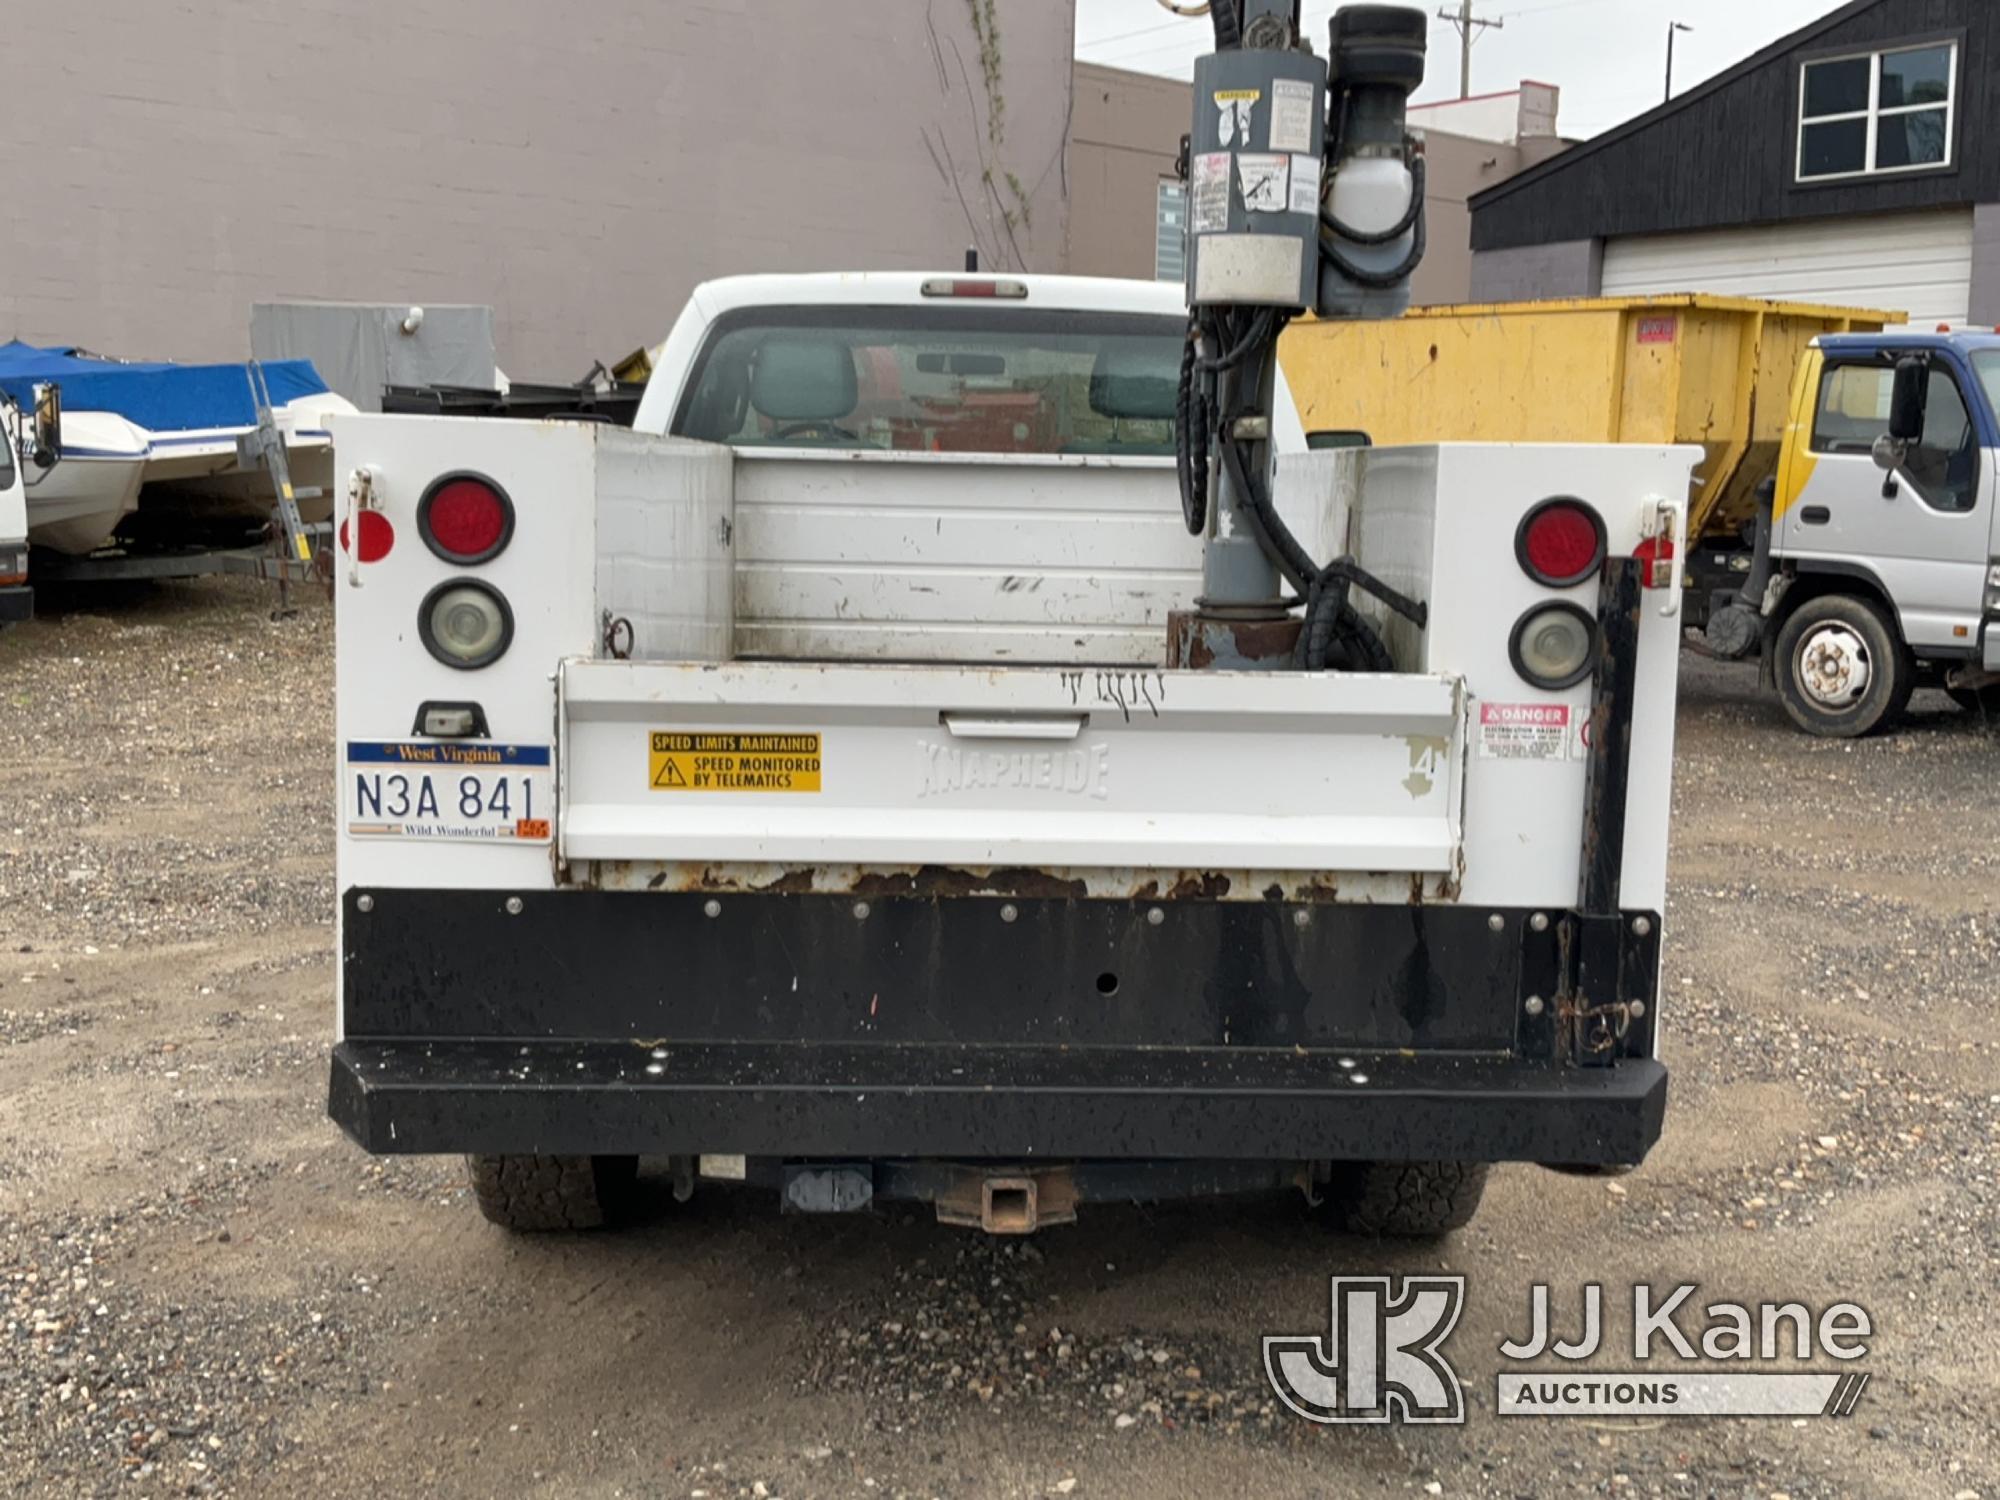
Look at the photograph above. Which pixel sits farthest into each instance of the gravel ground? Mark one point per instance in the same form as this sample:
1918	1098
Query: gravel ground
204	1289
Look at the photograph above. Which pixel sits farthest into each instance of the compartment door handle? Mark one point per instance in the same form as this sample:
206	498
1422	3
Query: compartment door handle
976	726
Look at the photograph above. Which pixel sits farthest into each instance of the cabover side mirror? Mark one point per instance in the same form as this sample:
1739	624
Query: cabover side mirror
48	425
1906	400
1906	419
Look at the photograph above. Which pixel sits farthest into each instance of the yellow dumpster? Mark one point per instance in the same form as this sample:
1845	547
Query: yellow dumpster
1685	368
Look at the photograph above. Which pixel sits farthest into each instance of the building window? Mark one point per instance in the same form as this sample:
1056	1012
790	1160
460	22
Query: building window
1170	232
1880	112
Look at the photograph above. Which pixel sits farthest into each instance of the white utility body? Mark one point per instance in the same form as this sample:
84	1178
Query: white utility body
16	600
811	785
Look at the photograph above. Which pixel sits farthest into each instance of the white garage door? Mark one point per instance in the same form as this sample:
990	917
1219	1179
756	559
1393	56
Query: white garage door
1918	263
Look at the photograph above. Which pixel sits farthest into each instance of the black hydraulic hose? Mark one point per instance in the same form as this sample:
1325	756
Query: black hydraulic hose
1228	25
1360	645
1252	339
1194	400
1331	624
1284	548
1331	620
1385	236
1191	440
1329	245
1346	571
1414	223
1273	536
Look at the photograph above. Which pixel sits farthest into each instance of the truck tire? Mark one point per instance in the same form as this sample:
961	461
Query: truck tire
533	1194
1840	667
1404	1199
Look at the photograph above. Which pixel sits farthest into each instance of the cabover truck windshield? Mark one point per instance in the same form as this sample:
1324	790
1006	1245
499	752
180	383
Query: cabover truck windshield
805	787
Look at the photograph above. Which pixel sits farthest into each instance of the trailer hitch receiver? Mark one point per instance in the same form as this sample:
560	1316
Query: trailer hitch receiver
1008	1202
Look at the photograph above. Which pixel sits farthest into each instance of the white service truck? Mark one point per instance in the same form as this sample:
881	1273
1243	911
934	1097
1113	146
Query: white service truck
17	599
798	787
863	778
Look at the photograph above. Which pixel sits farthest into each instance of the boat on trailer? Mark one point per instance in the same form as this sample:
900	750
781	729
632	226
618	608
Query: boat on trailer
150	450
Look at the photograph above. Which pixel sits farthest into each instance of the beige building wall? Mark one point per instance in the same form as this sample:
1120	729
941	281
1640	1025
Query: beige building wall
579	167
1455	167
1125	136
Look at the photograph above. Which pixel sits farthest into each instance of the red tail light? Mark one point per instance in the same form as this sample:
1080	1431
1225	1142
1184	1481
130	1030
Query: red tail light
1560	542
377	536
465	518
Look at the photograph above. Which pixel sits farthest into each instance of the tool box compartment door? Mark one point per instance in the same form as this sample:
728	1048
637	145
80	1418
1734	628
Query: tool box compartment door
812	764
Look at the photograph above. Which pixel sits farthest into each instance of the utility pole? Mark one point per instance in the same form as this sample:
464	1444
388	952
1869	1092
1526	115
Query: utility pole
1672	27
1468	27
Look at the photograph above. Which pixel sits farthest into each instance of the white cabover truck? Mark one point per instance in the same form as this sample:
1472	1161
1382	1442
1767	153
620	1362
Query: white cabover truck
802	787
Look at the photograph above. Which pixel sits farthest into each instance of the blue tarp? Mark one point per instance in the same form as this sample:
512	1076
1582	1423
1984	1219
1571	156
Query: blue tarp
162	397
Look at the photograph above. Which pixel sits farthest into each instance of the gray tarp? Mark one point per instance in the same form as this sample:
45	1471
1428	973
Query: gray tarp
359	347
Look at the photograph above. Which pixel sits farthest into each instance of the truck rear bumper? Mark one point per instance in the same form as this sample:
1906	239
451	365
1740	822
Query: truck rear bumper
914	1024
1028	1103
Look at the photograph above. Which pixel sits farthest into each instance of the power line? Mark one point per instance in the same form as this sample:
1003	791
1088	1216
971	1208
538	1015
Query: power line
1120	59
1120	36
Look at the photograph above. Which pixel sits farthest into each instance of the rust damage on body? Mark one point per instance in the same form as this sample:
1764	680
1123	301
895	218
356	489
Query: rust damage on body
1199	642
942	880
1210	885
793	882
1303	887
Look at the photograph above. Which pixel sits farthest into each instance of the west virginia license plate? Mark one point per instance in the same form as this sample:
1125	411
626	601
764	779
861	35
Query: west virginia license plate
469	789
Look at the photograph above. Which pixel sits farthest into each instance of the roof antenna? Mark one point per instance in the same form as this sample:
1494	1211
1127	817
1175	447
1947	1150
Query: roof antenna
971	257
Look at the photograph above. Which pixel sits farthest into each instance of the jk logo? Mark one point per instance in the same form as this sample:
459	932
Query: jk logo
1380	1361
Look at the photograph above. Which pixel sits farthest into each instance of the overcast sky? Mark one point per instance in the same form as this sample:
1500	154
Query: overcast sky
1608	56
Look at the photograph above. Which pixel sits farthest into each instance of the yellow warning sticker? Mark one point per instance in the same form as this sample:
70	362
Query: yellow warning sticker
732	762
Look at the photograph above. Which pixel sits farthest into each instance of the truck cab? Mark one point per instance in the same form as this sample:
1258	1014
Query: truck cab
1883	543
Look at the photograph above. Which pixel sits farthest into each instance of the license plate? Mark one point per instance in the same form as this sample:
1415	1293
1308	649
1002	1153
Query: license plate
458	790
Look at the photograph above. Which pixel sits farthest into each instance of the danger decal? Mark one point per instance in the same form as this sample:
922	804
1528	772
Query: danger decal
1524	731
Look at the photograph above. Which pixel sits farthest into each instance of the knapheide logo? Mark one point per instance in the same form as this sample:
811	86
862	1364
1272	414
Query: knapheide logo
1380	1360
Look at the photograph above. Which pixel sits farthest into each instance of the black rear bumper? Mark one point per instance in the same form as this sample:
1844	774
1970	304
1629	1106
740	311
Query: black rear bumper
928	1023
1035	1103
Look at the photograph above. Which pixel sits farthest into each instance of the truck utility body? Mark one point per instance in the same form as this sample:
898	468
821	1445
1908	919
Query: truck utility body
17	600
798	785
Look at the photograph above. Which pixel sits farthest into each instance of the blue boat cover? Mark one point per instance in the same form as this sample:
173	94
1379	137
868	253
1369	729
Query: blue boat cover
162	397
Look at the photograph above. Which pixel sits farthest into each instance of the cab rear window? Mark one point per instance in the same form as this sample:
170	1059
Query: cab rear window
953	379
